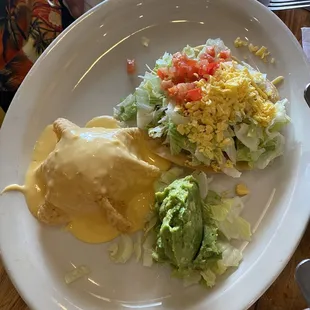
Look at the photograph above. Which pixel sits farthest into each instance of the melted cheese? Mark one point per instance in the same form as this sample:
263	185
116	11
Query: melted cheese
92	227
34	189
147	155
103	121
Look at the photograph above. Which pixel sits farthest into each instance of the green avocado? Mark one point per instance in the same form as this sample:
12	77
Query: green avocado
180	227
209	251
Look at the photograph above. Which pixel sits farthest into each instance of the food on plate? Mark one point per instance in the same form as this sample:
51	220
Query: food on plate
239	42
131	66
92	179
145	41
181	228
242	189
191	230
277	80
261	52
102	181
197	109
77	273
204	110
98	181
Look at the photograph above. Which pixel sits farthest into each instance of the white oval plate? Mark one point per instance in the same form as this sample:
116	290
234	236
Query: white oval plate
83	74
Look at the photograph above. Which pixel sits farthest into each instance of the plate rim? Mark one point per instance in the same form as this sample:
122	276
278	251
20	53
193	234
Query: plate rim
298	233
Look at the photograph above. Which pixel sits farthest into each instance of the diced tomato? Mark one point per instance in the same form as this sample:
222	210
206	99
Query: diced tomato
166	84
203	65
131	66
212	68
207	68
176	56
211	51
178	79
161	73
185	68
173	91
207	57
225	54
179	91
191	62
193	94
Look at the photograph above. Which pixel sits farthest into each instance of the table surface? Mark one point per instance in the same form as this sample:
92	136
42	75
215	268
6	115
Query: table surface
283	294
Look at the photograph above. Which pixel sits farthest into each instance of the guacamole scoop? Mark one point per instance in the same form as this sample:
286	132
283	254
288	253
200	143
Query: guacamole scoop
180	225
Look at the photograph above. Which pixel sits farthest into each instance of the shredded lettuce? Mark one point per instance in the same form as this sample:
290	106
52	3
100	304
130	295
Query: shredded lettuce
127	109
231	256
158	131
218	45
213	198
203	183
189	276
220	211
249	135
177	142
231	151
232	172
219	268
147	104
209	277
245	154
168	177
259	147
174	116
202	158
171	175
151	222
230	223
165	61
157	113
76	274
281	119
273	149
152	84
122	251
190	52
192	277
240	229
144	109
148	244
137	247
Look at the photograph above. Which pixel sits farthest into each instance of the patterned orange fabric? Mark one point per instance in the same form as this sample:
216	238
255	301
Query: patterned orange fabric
27	27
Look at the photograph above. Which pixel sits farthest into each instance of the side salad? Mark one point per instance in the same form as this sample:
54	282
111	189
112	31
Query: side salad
190	229
214	110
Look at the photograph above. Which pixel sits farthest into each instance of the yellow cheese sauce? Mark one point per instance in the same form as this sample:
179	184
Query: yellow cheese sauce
105	121
91	227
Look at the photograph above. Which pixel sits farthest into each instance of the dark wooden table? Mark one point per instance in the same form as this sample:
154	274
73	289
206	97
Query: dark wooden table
283	294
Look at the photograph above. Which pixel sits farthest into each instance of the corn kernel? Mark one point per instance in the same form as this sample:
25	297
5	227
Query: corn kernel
242	190
238	42
261	51
253	48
